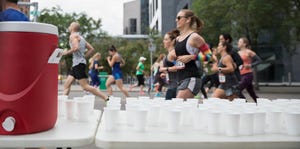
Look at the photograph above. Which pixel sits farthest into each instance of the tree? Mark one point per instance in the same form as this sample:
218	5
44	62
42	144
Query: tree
90	29
249	18
273	27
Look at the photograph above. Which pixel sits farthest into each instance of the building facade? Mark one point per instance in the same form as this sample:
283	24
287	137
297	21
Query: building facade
135	20
162	14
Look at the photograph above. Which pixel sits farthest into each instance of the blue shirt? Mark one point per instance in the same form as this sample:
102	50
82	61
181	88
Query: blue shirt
12	15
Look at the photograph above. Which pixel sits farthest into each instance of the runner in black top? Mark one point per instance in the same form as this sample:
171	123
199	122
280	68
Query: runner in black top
187	48
228	88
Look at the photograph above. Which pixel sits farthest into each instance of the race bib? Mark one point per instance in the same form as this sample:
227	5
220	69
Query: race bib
222	78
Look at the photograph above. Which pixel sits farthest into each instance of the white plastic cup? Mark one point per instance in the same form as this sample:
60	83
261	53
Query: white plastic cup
115	99
186	115
130	113
71	109
62	106
113	104
232	121
140	120
111	116
274	121
131	100
199	118
292	123
246	124
153	115
173	120
83	110
213	121
259	123
91	99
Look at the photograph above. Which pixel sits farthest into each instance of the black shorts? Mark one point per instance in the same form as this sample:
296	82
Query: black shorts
78	72
141	80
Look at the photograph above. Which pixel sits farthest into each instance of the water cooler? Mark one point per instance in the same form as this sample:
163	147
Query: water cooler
28	82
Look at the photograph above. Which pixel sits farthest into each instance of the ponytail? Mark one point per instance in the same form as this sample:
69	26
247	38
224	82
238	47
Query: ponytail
196	23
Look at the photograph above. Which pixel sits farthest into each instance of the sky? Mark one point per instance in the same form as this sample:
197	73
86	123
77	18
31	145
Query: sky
109	11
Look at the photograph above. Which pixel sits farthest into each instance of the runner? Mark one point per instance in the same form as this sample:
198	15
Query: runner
78	47
115	61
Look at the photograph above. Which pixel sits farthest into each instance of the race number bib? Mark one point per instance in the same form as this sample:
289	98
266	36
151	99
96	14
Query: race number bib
222	78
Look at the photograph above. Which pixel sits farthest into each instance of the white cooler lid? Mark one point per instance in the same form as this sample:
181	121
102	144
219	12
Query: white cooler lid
18	26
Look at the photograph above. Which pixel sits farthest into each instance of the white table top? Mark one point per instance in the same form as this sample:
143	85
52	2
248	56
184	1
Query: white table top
154	137
66	133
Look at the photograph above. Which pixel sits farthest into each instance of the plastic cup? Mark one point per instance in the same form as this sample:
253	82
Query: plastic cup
186	115
113	104
246	124
153	115
130	113
232	121
83	110
259	122
71	109
62	106
274	121
91	99
140	120
213	121
173	120
199	118
111	116
292	123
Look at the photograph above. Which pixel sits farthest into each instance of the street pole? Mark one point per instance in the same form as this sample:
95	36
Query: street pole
152	48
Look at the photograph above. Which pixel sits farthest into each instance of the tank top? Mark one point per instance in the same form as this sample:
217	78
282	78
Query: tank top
94	64
190	69
116	67
172	75
230	77
246	61
78	56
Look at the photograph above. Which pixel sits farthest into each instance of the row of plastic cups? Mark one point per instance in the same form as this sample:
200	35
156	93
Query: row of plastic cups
112	119
78	108
137	119
234	123
253	120
268	119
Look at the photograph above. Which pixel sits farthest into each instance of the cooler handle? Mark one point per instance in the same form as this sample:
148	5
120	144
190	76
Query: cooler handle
55	56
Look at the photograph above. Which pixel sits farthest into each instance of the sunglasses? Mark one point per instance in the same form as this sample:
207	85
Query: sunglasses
179	17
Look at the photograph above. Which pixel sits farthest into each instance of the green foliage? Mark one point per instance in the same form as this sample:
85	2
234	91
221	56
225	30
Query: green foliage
251	18
130	50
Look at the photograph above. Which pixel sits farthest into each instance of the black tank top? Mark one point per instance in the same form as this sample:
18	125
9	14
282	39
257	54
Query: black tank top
190	69
230	77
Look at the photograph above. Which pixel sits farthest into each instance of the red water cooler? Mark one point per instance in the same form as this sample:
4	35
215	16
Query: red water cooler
28	82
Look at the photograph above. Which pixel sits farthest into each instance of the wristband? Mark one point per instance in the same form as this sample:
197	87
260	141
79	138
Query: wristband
167	69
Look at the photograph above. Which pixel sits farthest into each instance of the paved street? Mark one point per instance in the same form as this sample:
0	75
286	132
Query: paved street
271	92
